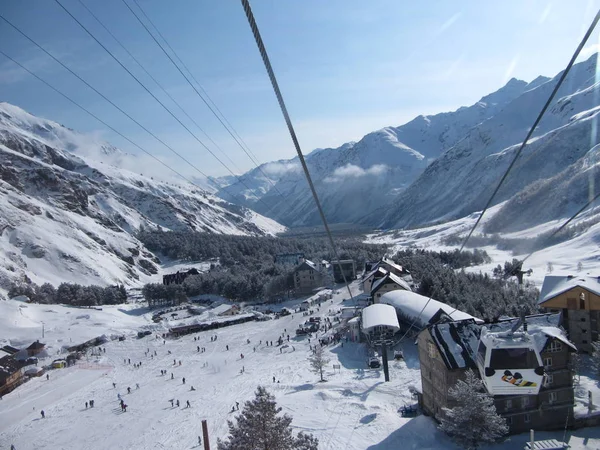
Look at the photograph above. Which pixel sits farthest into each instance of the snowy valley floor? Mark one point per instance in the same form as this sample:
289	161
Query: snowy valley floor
354	409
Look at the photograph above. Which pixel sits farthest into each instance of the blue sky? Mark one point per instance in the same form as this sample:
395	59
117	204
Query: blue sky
345	67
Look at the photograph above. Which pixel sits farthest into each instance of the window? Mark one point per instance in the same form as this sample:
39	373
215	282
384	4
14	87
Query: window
524	402
527	418
509	404
581	303
481	352
553	397
513	358
431	350
582	319
555	346
547	361
548	380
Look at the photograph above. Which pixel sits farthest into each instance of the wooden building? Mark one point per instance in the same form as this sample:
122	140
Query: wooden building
578	299
446	352
35	348
11	374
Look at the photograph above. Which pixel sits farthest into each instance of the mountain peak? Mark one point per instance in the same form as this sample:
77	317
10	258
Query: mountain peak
506	92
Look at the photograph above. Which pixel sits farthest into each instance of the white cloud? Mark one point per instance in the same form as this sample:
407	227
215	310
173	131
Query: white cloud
279	169
352	171
588	51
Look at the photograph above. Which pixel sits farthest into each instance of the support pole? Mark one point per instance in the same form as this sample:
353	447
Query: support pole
205	435
531	438
384	357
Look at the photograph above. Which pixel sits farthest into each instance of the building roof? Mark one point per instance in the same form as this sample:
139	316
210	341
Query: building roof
8	366
376	271
391	263
11	350
379	315
457	342
36	346
390	277
421	309
557	284
307	263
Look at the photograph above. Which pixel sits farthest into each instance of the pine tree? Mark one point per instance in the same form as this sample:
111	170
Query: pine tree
259	427
318	361
474	419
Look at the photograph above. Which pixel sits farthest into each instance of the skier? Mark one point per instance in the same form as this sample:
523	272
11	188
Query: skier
114	385
171	375
179	362
47	377
178	403
227	347
172	400
43	414
237	406
119	396
86	405
183	380
241	356
187	404
198	348
124	407
129	360
174	362
192	388
273	378
128	390
254	349
199	441
137	385
247	341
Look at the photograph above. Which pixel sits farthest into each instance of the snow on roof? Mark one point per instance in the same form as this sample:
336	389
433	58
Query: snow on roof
457	342
557	284
421	309
379	315
390	276
391	263
220	309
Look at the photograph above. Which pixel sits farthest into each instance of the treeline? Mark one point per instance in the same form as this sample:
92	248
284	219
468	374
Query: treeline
477	294
249	250
70	294
247	269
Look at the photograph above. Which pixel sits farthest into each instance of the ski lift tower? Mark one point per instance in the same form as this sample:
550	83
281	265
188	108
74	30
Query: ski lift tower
380	323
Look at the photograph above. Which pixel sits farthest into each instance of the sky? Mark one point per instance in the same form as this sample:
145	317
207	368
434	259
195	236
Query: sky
345	67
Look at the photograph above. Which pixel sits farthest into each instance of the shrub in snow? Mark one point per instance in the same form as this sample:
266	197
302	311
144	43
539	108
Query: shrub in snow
318	361
259	427
474	419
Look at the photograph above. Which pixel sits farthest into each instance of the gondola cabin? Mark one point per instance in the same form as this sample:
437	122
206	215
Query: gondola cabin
509	363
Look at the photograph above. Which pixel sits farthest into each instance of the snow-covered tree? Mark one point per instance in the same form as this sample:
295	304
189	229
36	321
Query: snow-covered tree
259	427
474	420
318	361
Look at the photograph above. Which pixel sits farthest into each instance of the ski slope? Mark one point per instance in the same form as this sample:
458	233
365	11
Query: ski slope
355	409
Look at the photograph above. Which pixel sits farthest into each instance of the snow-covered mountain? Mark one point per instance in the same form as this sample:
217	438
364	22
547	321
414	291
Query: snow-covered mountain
553	177
67	217
358	178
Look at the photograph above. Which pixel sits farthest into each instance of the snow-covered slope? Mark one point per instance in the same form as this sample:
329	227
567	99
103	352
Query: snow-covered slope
67	217
463	178
357	178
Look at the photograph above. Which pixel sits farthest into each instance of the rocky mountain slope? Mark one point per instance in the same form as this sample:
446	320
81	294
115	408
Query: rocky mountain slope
461	180
67	217
358	178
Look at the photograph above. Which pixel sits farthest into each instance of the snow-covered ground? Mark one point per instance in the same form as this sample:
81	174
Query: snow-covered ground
564	257
354	409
